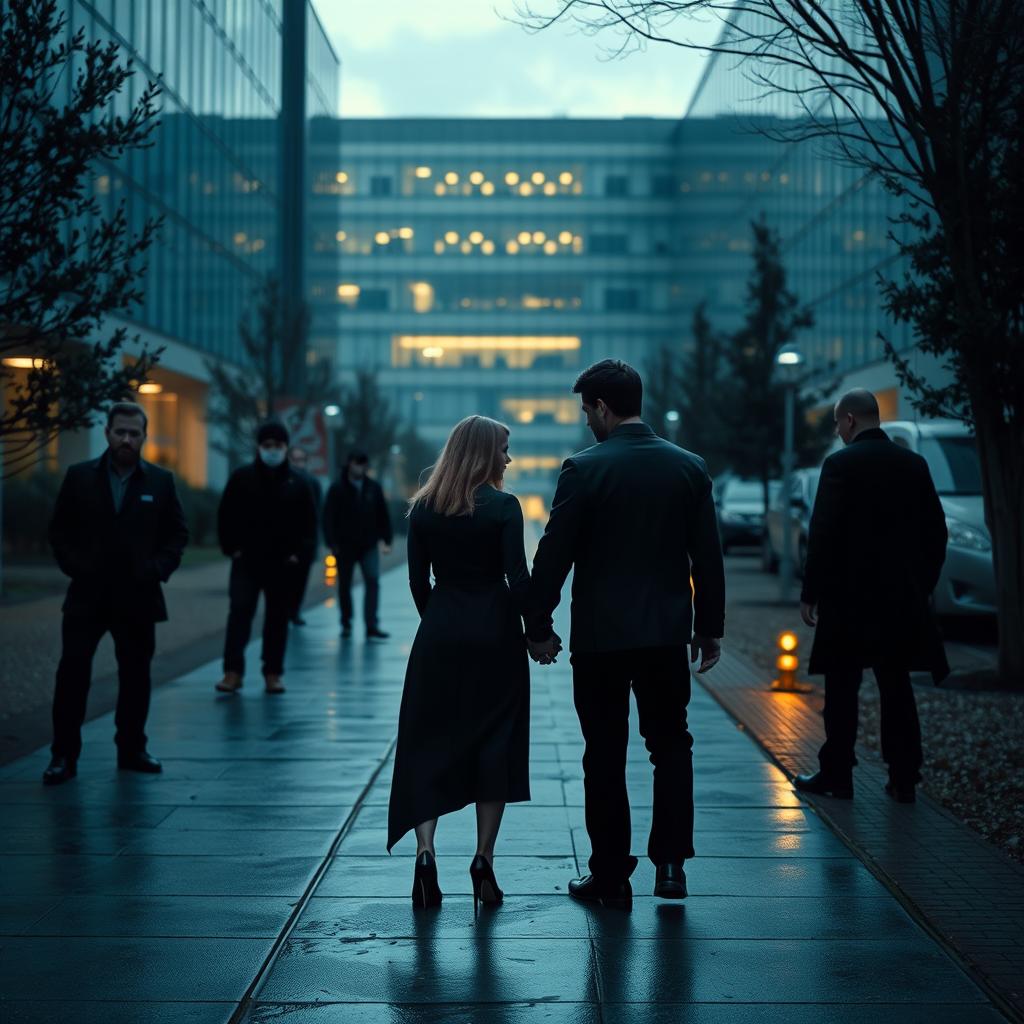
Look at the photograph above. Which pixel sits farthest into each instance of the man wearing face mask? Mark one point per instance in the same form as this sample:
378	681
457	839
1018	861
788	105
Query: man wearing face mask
266	522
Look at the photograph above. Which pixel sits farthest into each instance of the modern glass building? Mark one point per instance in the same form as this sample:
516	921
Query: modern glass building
213	175
484	263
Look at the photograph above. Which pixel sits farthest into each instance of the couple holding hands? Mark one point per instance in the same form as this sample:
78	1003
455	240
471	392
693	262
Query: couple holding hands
634	516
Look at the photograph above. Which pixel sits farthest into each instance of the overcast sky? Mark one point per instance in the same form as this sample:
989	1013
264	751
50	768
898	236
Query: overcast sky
448	58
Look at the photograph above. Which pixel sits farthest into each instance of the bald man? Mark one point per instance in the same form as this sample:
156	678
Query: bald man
875	548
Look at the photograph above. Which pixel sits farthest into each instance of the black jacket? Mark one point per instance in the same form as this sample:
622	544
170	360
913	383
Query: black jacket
635	515
354	521
269	515
875	549
118	557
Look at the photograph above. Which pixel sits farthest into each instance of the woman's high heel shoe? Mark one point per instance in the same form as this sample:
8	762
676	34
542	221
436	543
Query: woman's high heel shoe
425	890
485	885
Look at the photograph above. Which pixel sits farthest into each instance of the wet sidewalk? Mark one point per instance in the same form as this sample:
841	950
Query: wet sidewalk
250	881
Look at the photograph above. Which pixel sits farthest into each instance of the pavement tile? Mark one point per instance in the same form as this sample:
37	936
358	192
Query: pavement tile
388	1013
798	1013
116	1012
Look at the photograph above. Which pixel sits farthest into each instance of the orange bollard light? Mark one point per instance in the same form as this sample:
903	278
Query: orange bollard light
787	664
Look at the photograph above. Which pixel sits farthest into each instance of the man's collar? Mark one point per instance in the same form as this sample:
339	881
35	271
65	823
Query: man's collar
871	434
635	429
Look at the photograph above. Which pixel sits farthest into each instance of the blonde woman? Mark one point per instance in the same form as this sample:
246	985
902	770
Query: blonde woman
463	731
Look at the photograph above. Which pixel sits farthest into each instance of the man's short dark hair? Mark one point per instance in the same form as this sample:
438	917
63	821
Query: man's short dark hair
358	455
860	403
127	409
616	383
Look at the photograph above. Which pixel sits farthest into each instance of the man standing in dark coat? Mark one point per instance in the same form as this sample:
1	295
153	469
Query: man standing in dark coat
634	514
118	531
267	525
298	459
356	525
875	549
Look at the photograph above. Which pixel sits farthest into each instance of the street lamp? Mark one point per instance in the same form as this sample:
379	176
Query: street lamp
789	362
672	424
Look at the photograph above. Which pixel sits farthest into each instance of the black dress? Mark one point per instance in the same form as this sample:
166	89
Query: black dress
463	730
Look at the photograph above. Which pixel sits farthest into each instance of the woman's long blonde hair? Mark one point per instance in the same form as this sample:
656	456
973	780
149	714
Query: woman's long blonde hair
472	457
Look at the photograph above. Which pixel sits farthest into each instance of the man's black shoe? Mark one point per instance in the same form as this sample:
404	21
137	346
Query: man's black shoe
139	762
824	786
377	634
346	630
670	882
901	792
590	890
60	769
298	620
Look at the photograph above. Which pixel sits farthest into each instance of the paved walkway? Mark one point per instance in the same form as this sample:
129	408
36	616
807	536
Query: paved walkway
250	882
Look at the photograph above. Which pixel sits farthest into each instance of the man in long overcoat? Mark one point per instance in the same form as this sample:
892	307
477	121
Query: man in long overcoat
875	550
118	531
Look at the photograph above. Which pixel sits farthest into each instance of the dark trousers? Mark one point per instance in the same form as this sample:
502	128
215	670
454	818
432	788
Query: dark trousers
660	679
302	571
134	642
277	582
901	731
369	565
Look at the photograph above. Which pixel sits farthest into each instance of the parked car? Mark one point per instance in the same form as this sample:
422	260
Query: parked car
792	513
740	505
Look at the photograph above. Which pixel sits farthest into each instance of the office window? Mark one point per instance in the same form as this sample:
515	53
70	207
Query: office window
616	185
609	245
663	186
621	299
380	185
373	299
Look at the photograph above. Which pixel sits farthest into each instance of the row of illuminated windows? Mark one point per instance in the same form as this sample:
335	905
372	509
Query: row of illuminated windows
426	181
424	297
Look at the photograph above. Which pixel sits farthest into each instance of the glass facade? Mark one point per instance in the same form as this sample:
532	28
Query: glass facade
480	265
212	175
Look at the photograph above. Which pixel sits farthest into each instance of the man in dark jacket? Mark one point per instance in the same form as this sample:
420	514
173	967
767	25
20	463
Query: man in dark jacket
118	531
635	516
267	525
875	549
297	458
356	523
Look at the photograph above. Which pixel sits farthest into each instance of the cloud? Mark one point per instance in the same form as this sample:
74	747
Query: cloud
369	25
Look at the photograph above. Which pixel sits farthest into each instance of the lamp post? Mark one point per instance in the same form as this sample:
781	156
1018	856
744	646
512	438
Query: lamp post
672	425
789	361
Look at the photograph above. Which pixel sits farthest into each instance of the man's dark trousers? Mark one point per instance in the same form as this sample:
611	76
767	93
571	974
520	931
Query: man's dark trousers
248	578
660	679
134	642
369	564
901	731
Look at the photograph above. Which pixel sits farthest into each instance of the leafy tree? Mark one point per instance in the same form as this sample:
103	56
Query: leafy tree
274	342
929	97
367	420
65	266
753	414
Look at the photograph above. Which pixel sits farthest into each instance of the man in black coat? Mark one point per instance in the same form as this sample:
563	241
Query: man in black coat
356	524
297	458
267	525
118	531
875	549
635	516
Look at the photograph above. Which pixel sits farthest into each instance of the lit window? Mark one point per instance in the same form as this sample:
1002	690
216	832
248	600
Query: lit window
565	178
422	296
551	247
476	237
405	232
526	189
433	352
382	238
524	237
538	237
340	236
859	235
476	177
783	179
341	177
439	189
517	351
465	303
511	178
537	178
452	178
466	247
512	247
422	172
550	188
565	237
487	248
240	238
451	237
348	293
487	188
439	247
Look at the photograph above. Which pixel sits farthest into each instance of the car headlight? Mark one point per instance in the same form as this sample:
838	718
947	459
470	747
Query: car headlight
963	535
